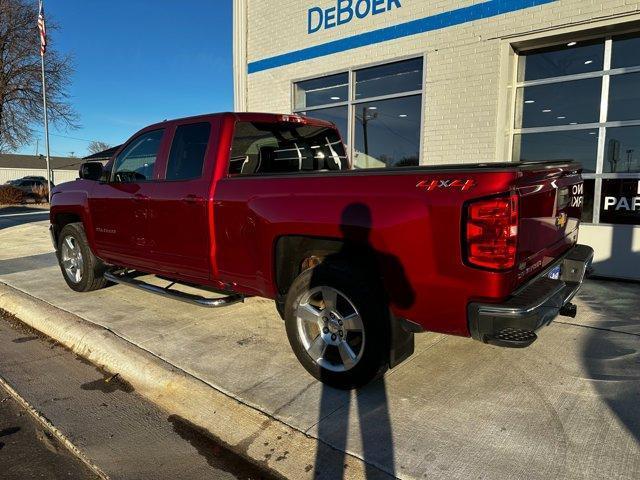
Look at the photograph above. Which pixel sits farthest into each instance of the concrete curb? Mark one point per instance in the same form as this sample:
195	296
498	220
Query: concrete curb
248	432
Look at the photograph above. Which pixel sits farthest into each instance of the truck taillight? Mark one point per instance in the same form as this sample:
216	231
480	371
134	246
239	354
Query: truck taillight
492	232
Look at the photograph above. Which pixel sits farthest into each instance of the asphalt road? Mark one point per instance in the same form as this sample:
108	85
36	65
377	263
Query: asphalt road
27	450
120	432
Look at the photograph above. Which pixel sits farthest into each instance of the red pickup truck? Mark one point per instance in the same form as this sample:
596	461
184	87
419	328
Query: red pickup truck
357	261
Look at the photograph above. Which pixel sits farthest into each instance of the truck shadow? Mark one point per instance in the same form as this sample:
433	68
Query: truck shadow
387	275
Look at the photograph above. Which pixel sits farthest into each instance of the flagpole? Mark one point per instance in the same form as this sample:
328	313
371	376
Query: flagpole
46	131
46	118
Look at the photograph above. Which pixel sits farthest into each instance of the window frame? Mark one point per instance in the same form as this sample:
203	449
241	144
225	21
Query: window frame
602	125
352	102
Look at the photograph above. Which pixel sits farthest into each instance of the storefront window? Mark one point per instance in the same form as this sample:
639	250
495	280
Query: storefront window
336	115
380	119
622	153
570	58
321	91
565	103
592	117
387	133
571	145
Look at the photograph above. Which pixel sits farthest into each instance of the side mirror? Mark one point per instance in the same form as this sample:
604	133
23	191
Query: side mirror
91	171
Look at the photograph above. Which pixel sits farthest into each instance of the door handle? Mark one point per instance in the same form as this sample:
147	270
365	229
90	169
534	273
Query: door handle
138	197
191	199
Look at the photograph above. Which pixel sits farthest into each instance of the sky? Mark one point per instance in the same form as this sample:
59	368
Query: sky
138	62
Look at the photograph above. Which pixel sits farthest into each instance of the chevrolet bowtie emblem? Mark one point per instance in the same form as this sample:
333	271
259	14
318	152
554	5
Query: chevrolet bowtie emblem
561	220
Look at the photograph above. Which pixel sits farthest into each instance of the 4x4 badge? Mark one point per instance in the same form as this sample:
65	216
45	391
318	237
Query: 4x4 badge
439	184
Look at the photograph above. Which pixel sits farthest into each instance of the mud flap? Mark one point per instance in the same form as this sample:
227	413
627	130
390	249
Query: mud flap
402	342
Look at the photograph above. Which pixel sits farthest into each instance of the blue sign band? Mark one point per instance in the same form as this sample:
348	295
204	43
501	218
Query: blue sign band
451	18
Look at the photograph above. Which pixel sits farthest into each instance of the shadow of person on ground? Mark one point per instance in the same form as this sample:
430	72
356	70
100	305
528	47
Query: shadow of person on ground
384	275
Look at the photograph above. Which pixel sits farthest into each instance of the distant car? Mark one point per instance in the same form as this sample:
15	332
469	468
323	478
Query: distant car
27	183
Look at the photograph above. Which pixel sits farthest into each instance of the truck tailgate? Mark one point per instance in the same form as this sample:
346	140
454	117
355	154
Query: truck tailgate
551	200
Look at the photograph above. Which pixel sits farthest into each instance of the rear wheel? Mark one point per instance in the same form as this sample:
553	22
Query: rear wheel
337	324
81	269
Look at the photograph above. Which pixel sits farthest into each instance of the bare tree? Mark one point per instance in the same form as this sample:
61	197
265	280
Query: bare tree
97	146
20	76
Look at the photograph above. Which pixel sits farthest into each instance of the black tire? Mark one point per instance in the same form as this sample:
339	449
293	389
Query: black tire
360	289
280	306
92	270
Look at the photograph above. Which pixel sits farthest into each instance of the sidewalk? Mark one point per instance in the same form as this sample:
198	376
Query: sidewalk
564	408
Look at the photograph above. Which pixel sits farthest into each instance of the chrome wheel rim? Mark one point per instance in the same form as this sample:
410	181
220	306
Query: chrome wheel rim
330	328
72	260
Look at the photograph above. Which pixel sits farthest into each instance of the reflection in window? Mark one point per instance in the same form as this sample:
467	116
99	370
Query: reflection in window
622	154
389	79
187	151
626	52
335	115
565	103
568	59
387	133
571	145
321	91
624	97
137	160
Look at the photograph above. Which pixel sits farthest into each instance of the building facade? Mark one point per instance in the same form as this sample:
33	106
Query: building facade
413	82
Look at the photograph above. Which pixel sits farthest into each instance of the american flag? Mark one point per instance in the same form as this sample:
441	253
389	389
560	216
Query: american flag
42	29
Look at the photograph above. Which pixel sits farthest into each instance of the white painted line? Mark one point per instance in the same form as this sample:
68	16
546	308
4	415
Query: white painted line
22	214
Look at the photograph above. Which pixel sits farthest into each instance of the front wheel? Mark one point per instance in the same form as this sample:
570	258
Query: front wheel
81	269
338	324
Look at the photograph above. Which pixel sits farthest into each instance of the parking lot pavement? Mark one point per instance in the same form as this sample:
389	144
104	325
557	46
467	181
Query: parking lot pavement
566	407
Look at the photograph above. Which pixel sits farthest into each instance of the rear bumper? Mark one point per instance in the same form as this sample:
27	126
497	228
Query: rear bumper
535	304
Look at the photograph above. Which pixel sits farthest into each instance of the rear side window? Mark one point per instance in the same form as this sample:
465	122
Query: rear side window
187	151
268	148
136	162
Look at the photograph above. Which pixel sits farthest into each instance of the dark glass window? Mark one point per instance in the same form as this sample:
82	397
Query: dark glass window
568	59
387	132
321	91
188	150
267	148
587	206
336	115
565	103
575	145
626	51
136	162
389	79
624	97
622	154
620	201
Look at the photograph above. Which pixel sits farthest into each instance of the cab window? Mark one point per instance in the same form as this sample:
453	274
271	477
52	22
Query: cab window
136	162
188	150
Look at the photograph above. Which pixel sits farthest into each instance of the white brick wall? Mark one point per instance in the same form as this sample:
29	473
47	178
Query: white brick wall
463	86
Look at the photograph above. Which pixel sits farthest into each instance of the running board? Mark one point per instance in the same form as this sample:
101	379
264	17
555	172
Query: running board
122	277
